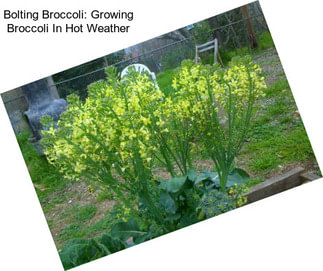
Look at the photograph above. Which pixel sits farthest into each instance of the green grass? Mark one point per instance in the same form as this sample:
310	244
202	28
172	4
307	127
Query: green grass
164	80
265	40
278	89
74	230
101	226
77	219
289	146
227	55
79	213
86	212
45	177
104	195
278	135
61	198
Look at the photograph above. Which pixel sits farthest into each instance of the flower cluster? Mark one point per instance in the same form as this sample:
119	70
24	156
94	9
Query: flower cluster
219	103
108	137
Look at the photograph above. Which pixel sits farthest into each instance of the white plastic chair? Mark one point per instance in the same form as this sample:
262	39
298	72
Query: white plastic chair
139	68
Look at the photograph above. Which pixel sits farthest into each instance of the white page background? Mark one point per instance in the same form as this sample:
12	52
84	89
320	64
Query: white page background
283	232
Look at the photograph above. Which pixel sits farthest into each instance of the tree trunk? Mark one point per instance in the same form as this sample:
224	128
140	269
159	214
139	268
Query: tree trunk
213	22
251	33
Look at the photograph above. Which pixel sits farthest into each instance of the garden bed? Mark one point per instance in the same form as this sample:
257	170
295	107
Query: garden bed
87	210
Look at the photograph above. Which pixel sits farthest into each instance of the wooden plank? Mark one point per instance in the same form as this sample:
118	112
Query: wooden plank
196	55
215	50
275	185
308	177
205	49
205	44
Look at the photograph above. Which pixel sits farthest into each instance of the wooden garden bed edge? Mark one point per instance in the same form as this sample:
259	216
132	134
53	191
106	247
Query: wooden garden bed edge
272	186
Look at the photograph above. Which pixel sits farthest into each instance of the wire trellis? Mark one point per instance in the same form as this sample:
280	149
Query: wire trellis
233	35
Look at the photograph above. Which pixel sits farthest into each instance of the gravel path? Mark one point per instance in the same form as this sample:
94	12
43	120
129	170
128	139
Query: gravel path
270	64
